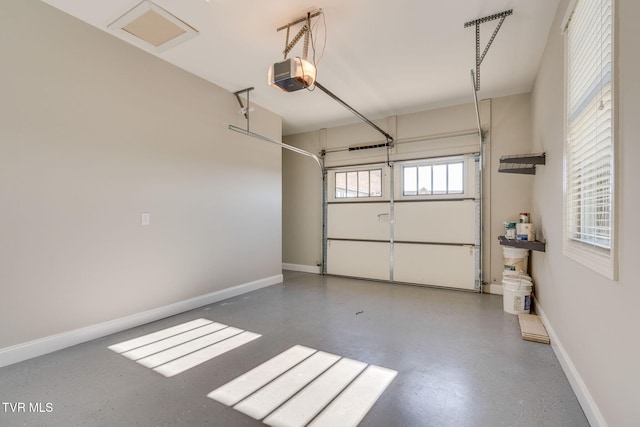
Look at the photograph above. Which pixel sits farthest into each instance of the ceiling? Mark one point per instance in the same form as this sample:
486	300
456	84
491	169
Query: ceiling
382	57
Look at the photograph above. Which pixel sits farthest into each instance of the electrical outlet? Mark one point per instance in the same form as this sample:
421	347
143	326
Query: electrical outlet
146	218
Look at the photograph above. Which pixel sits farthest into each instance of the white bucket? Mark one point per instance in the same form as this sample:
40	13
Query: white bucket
507	274
515	259
516	276
516	295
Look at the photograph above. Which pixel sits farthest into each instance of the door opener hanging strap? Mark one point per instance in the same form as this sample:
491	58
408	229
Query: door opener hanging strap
480	57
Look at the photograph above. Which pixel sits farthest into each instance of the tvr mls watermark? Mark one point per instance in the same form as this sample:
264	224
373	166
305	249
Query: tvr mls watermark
27	407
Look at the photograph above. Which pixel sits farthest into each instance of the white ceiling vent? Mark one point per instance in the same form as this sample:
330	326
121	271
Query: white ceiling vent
155	27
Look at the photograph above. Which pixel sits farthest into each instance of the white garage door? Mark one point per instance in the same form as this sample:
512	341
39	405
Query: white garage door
412	222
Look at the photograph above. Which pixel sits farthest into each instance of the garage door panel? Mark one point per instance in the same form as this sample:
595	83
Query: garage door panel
368	260
368	221
436	265
433	234
435	222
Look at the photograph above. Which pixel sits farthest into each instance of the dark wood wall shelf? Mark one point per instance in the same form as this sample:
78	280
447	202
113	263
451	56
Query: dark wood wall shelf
522	244
521	163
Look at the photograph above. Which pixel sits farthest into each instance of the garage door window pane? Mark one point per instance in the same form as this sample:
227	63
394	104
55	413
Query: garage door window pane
341	184
440	179
352	184
363	184
433	179
410	181
376	183
454	175
358	184
424	180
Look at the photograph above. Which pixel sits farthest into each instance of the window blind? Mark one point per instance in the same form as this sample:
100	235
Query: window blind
589	146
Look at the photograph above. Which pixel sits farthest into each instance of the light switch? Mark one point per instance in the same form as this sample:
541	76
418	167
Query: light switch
146	218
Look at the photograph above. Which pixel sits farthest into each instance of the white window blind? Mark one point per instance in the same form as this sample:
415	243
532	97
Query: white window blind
589	145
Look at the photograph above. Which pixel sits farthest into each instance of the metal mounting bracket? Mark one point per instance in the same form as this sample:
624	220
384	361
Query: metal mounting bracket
304	31
244	110
480	57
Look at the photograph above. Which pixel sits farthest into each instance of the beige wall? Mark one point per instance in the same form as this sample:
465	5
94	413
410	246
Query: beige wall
508	122
594	319
93	132
510	193
301	202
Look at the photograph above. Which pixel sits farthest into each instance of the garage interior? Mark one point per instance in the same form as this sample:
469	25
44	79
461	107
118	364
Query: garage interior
148	186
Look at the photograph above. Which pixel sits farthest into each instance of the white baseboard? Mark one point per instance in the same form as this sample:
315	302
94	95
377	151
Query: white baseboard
493	288
28	350
591	410
303	268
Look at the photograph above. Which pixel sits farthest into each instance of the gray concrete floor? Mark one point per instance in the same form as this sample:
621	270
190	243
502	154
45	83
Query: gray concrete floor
460	361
